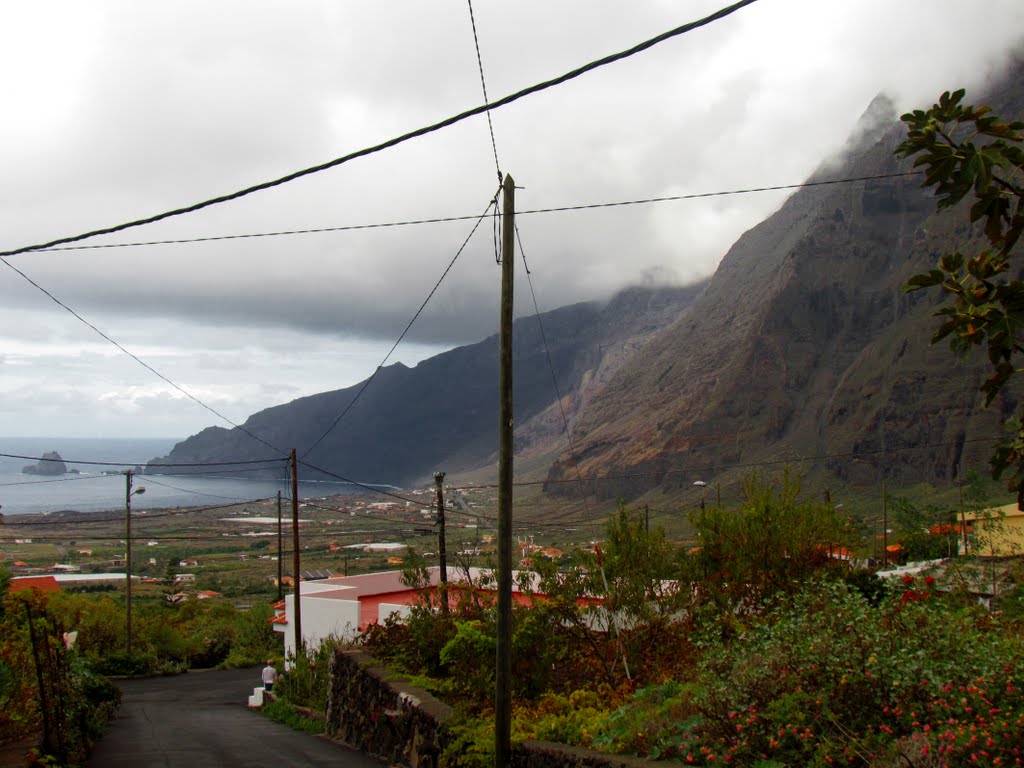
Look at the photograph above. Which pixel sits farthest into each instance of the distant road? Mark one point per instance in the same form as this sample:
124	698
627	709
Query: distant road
200	720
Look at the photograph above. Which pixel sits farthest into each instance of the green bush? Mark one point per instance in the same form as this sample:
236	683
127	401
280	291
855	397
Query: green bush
469	742
827	677
254	639
125	664
305	684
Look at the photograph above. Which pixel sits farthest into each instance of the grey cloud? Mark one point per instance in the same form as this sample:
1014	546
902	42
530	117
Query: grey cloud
175	103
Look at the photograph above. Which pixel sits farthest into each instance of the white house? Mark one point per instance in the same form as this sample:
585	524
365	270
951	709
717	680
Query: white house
343	606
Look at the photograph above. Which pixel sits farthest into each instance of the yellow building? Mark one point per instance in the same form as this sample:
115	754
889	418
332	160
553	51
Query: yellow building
996	532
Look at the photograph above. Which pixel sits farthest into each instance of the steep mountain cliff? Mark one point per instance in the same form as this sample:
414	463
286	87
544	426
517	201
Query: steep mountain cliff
443	413
803	346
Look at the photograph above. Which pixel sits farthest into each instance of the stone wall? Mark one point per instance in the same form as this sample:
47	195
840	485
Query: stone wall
376	711
371	708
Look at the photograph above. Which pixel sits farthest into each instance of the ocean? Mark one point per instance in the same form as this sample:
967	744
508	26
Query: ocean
92	491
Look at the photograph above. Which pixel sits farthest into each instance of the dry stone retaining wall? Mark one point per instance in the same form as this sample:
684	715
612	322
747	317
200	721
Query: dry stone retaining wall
372	709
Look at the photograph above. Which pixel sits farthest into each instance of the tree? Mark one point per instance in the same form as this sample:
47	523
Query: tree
968	153
772	543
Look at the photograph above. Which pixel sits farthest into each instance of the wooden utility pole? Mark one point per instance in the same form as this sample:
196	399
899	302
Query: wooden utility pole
296	563
963	516
280	551
442	552
503	668
128	560
885	525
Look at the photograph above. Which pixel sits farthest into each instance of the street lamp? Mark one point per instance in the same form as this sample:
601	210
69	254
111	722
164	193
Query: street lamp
128	493
702	485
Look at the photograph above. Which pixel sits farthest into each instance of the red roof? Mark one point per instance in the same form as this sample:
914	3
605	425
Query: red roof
42	583
946	528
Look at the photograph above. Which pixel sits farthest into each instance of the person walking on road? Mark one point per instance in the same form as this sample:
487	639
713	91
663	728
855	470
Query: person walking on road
269	676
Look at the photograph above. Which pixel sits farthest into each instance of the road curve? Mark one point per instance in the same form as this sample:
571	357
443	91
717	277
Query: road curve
200	720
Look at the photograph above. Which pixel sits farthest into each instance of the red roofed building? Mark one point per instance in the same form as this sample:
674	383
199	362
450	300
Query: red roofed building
42	583
345	605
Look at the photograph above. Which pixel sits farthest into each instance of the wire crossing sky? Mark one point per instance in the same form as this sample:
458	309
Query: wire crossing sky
124	109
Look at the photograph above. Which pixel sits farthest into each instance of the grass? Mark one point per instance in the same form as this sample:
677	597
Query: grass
285	713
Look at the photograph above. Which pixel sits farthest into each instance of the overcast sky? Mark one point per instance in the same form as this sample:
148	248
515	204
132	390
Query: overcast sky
118	110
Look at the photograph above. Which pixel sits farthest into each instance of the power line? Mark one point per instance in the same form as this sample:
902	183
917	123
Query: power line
483	86
139	514
746	465
54	480
133	356
554	378
150	481
143	463
419	311
689	27
364	486
471	217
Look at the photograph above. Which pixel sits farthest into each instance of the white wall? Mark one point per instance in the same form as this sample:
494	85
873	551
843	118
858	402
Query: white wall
386	610
321	618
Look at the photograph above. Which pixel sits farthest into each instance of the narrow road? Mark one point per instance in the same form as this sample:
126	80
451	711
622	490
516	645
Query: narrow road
200	720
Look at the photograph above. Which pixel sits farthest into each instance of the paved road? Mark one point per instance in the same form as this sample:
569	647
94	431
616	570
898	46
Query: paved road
200	720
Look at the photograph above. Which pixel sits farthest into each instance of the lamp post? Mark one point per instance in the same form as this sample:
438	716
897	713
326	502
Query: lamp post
128	493
703	490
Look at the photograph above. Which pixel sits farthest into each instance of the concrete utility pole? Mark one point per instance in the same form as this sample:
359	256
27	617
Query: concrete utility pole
280	563
442	551
297	613
503	668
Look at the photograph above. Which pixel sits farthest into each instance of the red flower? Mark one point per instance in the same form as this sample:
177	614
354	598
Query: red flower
929	580
908	579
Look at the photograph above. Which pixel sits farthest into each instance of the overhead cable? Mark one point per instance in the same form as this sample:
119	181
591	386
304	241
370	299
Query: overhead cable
749	464
138	359
142	463
483	86
554	378
394	346
471	217
689	27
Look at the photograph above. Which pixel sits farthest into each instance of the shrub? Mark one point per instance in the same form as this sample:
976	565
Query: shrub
828	677
125	664
305	684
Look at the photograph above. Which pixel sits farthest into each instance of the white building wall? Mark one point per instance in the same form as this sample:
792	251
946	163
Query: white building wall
387	610
321	618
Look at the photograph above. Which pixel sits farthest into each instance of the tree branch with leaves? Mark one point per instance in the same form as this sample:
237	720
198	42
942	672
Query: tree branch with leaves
970	154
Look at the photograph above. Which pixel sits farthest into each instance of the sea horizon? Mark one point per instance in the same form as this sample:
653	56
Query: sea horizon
100	488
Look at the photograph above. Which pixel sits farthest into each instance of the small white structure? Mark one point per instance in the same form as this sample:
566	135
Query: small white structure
342	606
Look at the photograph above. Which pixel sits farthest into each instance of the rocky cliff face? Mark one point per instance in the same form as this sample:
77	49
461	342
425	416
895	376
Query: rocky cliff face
801	348
804	346
442	414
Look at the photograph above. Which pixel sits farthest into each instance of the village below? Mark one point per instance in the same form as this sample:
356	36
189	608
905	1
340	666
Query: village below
627	640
